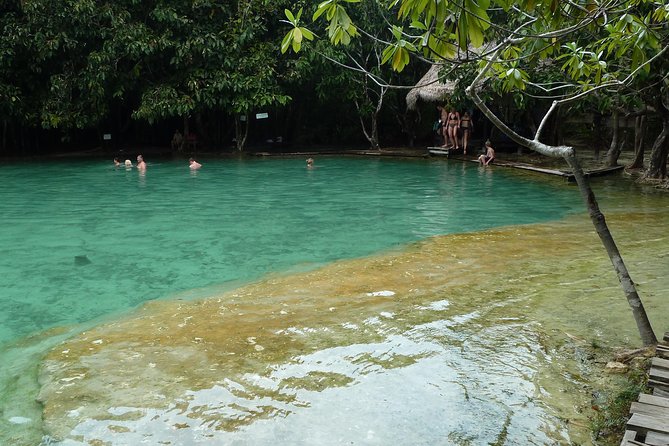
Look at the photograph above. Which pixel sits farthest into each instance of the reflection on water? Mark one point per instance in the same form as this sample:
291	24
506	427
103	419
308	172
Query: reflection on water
458	340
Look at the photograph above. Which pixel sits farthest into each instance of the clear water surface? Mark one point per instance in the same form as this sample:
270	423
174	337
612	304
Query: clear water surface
82	239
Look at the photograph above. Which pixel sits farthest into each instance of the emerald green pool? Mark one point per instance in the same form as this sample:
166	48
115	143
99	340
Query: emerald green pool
82	239
84	242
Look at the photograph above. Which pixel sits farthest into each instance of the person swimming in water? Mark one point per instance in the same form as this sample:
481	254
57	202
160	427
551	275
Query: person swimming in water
193	164
141	165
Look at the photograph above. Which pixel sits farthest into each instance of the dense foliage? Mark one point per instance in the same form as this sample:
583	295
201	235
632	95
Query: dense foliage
76	64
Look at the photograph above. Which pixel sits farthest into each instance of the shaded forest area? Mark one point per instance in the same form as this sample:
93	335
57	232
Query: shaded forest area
80	74
84	75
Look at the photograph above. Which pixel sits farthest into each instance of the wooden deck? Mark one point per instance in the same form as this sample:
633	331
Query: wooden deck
439	151
561	173
448	153
649	423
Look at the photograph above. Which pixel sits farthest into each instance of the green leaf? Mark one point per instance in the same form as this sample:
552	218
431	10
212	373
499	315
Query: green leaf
322	8
307	34
287	41
297	35
388	52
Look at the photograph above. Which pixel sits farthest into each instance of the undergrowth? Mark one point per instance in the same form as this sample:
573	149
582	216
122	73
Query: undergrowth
608	425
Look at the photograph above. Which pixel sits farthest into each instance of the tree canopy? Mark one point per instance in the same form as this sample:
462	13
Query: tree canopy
69	64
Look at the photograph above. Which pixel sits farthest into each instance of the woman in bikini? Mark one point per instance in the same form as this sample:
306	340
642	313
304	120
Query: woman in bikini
467	125
452	125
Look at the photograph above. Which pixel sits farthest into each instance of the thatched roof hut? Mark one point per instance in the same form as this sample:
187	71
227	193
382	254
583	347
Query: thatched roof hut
430	89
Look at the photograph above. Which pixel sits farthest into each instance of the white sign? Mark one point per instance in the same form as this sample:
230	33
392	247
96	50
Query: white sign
106	136
262	115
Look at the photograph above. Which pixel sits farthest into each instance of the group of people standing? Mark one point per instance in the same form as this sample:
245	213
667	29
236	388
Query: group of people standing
454	127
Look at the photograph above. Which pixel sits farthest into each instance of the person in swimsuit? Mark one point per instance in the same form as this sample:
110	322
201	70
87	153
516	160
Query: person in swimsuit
194	165
141	164
467	125
177	141
452	126
489	155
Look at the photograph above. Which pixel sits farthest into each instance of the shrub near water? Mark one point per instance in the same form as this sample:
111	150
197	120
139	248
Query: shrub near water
608	425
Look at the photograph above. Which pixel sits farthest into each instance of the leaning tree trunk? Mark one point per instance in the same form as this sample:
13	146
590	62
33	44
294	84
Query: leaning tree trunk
598	220
614	149
643	323
639	145
658	155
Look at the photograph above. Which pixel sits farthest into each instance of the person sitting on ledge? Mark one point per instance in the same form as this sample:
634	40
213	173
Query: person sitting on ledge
489	155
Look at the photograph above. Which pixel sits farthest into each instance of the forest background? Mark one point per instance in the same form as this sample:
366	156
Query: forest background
72	72
84	74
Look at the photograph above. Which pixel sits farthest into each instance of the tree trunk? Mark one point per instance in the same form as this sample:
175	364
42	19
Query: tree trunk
614	150
658	155
241	133
599	222
372	134
4	135
598	134
639	146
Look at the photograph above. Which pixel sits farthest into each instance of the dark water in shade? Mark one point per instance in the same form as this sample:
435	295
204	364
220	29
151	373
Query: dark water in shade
458	340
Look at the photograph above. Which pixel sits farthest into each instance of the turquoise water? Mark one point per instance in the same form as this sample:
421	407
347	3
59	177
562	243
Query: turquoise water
82	239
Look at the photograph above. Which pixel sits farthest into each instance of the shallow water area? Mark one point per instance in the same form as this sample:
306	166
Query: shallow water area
414	345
